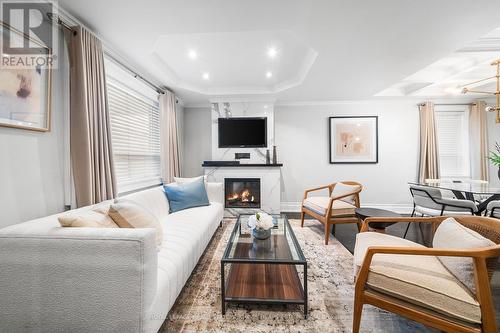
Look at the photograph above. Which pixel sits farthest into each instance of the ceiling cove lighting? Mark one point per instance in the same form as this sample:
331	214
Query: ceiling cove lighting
192	54
272	52
205	76
269	75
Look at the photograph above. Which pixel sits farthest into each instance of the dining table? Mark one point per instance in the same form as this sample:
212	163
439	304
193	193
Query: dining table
466	189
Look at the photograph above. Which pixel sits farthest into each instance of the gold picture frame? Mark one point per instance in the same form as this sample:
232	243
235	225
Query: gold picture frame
25	94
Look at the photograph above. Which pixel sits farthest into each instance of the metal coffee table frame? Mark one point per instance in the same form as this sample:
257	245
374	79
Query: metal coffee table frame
226	259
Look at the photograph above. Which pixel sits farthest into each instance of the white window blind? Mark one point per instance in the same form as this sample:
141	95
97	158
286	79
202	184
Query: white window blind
135	136
452	128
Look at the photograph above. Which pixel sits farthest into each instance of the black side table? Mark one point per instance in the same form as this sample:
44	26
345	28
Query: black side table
363	213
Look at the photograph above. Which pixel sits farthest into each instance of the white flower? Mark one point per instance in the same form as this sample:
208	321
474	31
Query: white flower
252	221
264	221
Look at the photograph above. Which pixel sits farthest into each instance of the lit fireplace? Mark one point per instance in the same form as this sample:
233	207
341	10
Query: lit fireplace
242	192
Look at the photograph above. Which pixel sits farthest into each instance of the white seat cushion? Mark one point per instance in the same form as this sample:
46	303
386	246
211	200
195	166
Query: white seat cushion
320	205
420	280
186	235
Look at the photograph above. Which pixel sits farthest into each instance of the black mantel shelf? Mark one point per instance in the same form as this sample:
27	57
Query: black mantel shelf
242	165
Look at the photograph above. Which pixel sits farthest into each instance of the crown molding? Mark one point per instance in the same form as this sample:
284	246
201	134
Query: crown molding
392	100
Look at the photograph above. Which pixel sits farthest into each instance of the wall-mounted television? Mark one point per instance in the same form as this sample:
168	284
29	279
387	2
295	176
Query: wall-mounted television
242	132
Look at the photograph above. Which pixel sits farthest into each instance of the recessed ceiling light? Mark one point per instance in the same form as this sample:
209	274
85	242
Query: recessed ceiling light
269	75
206	76
192	54
272	52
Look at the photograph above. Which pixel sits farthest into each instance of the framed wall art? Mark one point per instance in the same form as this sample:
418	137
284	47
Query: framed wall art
24	93
353	140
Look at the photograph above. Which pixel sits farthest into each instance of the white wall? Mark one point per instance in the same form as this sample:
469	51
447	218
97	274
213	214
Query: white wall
302	140
32	164
301	133
197	137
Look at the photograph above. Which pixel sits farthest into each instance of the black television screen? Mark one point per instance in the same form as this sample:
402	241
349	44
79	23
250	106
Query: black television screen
242	132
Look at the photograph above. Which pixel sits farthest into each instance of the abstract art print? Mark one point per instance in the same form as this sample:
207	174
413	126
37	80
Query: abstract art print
24	93
353	139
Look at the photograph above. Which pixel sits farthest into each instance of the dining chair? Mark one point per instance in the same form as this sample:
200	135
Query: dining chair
430	285
494	209
337	208
428	201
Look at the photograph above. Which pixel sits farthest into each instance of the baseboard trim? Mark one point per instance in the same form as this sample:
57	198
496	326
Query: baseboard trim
294	207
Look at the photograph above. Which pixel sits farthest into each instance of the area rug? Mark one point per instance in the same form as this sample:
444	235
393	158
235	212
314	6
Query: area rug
330	284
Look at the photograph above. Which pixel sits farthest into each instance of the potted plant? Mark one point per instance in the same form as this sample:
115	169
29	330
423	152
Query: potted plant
495	158
261	225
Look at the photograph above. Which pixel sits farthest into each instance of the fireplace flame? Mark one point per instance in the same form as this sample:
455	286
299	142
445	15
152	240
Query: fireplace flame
245	196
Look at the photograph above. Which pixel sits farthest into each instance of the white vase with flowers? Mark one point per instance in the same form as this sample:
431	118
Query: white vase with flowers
261	225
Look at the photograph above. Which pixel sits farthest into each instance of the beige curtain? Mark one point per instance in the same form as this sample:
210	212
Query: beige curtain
478	141
169	142
90	137
428	159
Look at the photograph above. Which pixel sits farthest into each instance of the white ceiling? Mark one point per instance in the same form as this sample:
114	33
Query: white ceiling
236	62
449	75
328	49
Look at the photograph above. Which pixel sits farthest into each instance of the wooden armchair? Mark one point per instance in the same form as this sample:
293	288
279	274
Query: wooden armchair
338	207
368	291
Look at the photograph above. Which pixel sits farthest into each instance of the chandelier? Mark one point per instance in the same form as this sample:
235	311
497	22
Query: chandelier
496	93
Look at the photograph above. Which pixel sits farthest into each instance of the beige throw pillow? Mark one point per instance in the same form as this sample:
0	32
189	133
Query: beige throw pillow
452	235
128	214
341	189
87	219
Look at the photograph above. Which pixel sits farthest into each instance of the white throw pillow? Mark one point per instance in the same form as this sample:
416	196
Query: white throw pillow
153	200
341	189
452	235
181	181
87	219
128	214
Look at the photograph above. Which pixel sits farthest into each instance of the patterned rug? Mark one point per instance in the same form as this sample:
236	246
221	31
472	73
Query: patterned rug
330	284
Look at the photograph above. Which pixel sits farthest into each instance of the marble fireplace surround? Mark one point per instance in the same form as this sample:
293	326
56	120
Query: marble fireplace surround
270	185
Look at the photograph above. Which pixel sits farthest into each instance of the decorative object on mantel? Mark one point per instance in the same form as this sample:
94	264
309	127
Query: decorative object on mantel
495	158
261	224
496	93
268	157
275	156
353	140
227	110
25	93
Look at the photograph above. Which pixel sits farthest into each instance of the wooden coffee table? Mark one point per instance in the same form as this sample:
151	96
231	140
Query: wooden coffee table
263	271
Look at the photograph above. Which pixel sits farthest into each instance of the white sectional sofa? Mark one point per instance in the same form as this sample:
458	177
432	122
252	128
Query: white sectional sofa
55	279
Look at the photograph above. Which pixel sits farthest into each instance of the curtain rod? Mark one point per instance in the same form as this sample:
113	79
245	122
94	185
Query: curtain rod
474	103
160	90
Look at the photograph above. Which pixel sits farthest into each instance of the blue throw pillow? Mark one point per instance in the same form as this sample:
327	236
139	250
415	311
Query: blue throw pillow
186	196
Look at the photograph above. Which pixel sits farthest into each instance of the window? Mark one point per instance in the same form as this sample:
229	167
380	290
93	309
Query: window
135	134
452	127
